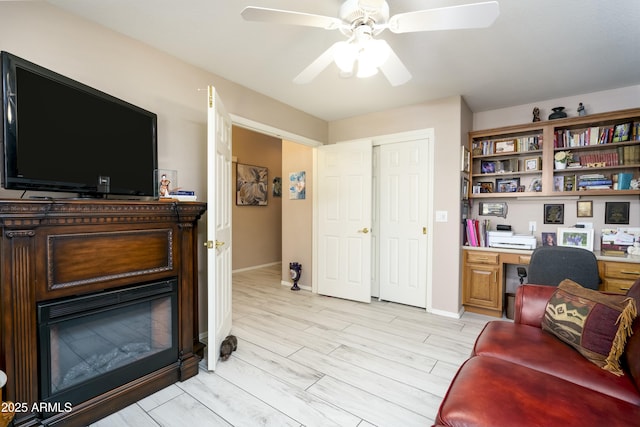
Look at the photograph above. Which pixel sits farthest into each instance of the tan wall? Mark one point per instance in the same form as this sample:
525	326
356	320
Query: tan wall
257	232
297	215
144	76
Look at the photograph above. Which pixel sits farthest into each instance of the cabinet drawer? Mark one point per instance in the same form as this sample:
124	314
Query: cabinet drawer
616	285
621	270
479	257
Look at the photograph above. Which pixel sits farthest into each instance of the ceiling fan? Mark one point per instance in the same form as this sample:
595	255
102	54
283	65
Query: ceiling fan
361	20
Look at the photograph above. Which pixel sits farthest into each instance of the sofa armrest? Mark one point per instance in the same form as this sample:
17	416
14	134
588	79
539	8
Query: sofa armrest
531	301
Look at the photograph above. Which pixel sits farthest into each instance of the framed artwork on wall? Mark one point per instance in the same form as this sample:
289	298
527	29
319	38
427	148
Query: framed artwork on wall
616	212
251	185
554	214
584	209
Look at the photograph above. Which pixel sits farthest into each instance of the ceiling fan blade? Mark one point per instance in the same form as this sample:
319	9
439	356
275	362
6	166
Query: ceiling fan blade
289	17
394	70
476	15
318	65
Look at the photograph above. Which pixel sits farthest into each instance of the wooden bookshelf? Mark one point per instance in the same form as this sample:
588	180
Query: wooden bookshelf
518	161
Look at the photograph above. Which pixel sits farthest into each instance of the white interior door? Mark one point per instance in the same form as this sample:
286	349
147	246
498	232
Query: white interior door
344	220
218	226
403	216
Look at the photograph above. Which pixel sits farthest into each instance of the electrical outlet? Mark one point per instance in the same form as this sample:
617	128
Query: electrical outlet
532	226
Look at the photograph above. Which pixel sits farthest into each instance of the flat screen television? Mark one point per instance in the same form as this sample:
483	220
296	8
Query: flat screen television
61	135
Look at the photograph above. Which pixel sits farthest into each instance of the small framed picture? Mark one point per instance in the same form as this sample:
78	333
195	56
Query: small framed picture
486	187
554	214
507	185
464	189
465	159
621	132
487	167
584	209
505	146
616	212
532	164
549	239
493	209
576	237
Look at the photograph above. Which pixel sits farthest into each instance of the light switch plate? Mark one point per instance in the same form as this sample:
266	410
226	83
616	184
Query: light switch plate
441	216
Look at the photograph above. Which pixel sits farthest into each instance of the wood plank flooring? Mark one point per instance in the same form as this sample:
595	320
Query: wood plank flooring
310	360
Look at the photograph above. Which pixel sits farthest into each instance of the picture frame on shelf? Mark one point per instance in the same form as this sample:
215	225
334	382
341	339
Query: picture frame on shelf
505	146
535	185
616	212
486	186
533	164
621	132
558	183
554	213
584	208
507	185
487	167
576	237
549	239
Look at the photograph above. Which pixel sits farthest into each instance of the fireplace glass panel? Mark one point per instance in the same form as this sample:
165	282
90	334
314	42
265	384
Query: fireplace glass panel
96	343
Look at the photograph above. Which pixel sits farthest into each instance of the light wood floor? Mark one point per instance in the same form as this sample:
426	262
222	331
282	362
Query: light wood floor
305	359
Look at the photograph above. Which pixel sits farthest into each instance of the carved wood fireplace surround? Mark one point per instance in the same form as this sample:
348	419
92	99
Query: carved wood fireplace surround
60	249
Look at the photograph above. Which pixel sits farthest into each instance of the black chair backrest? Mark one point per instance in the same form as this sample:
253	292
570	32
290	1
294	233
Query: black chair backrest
550	265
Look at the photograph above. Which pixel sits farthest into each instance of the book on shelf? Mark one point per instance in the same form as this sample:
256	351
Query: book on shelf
476	232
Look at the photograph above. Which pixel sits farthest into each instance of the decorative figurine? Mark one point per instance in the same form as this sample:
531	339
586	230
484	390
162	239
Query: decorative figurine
557	113
295	270
536	114
581	110
164	186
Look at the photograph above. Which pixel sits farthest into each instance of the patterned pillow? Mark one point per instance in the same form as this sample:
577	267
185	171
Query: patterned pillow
595	324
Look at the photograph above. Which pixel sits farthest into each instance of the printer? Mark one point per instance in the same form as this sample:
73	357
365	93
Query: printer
507	239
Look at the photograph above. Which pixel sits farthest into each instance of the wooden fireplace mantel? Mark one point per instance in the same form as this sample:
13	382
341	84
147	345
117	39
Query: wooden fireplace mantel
52	249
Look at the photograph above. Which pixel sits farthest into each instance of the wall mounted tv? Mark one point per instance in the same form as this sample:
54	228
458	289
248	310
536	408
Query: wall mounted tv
61	135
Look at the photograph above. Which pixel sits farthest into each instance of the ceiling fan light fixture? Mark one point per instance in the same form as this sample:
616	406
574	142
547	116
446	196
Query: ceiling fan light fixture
345	56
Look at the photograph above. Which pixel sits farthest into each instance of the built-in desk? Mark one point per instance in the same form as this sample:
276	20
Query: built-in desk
483	271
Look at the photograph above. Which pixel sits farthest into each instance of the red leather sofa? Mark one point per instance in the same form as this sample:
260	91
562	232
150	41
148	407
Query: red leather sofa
520	375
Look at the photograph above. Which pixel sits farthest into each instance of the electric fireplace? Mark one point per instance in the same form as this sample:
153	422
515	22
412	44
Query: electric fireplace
94	343
98	304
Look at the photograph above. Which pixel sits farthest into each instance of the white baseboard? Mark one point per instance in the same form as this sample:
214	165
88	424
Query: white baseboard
255	267
449	314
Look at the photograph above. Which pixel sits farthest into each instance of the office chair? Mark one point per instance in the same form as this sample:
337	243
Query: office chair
550	265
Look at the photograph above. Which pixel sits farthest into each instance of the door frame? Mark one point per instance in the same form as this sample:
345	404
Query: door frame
426	133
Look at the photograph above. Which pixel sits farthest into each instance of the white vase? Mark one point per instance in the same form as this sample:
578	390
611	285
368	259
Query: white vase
561	165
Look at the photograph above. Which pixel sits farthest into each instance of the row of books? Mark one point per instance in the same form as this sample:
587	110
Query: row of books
476	232
181	195
504	146
596	135
594	181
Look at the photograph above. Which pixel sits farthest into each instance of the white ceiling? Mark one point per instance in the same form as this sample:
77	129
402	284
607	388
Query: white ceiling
536	50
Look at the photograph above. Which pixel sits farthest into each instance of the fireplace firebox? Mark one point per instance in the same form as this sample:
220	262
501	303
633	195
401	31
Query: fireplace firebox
94	343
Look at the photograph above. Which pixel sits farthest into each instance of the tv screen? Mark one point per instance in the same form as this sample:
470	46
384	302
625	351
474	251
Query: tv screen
62	135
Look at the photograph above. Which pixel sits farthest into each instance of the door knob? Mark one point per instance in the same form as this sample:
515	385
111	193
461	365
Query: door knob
209	244
364	230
